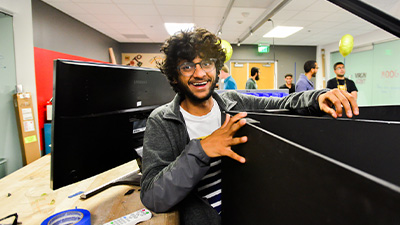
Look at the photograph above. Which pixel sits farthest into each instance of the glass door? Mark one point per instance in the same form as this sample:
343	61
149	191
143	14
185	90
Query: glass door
10	148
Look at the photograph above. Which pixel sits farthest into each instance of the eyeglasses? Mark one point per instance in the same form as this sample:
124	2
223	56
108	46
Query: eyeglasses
339	68
188	68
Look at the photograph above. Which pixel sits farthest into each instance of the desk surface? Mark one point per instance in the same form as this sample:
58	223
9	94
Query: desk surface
104	207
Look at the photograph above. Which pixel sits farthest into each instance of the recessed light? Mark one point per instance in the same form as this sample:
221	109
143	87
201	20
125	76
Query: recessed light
282	31
172	28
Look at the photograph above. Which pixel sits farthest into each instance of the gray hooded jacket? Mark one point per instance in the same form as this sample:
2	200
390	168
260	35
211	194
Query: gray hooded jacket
173	164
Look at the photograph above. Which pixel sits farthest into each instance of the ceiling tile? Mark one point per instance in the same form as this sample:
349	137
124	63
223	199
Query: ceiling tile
85	17
310	15
121	26
284	15
207	20
299	5
174	2
296	23
214	3
253	3
139	10
133	2
208	11
97	25
49	1
68	7
322	21
338	17
100	8
167	10
128	30
113	18
178	19
149	27
323	6
148	20
93	1
253	13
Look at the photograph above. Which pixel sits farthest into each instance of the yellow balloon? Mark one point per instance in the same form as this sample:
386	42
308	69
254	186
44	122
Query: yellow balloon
346	45
227	49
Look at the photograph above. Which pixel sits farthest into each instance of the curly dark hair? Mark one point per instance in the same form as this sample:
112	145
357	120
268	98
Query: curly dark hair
187	45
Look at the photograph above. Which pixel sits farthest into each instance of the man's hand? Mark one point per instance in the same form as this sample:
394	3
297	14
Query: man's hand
220	141
338	98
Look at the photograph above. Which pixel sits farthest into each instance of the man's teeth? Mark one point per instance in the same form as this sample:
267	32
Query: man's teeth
199	84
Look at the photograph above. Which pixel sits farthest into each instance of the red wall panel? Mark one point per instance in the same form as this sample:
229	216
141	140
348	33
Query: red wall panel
44	81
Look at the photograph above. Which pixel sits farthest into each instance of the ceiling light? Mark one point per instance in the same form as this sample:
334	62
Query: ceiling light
172	28
282	31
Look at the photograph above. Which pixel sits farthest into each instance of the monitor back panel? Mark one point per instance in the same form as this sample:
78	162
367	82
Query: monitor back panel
99	114
371	146
285	183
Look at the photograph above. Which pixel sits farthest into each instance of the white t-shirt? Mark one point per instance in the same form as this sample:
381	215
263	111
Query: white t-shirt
201	126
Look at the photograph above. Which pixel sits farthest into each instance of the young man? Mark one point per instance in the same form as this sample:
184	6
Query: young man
229	82
254	75
341	82
288	85
304	83
185	139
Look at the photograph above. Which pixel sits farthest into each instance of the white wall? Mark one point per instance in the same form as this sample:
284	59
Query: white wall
360	42
21	10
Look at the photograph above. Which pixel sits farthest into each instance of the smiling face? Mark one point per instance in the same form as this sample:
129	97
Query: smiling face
199	86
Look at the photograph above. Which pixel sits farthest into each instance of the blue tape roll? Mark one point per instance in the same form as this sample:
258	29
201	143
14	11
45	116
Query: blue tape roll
72	216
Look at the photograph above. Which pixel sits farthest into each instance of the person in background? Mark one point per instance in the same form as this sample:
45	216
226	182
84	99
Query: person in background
341	82
229	82
288	85
304	83
186	138
255	75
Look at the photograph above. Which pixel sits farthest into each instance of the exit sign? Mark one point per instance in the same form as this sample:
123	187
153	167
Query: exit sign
262	48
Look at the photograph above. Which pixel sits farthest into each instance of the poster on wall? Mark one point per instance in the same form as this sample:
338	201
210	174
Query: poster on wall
142	59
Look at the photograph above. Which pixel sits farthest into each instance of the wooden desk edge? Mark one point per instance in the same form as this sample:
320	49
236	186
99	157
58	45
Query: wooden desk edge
103	208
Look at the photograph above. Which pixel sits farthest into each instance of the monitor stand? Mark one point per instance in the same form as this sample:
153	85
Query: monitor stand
132	178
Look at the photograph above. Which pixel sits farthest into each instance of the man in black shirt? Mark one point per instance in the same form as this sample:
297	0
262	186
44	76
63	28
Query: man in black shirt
288	85
341	82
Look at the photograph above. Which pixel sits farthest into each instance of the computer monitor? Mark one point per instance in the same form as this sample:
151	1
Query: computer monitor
99	116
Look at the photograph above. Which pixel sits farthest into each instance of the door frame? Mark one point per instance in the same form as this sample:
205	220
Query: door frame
258	61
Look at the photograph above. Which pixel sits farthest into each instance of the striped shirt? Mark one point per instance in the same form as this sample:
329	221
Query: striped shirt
200	127
210	185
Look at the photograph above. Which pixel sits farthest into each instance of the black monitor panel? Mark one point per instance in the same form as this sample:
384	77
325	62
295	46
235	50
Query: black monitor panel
385	113
371	146
283	182
99	116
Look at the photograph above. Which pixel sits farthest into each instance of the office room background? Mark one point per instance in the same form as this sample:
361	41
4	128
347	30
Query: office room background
35	30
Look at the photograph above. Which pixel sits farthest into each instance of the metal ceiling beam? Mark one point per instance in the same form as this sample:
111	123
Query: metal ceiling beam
227	11
267	17
371	14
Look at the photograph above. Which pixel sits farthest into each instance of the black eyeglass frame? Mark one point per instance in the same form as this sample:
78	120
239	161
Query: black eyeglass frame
194	66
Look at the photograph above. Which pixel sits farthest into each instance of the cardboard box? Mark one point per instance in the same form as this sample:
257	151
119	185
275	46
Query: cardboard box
26	127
